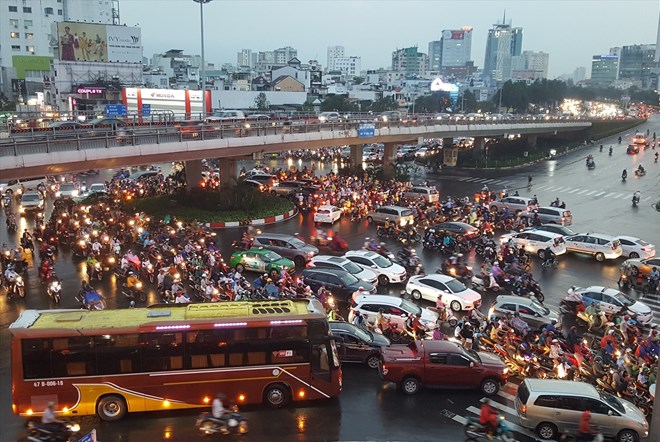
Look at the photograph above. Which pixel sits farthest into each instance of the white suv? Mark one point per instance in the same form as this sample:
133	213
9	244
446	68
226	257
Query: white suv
598	245
513	203
386	270
536	241
395	309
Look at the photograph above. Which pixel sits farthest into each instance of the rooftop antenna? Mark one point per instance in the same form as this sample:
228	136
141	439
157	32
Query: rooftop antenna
504	18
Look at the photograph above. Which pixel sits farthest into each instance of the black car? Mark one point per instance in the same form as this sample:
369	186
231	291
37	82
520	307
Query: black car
357	344
340	283
554	228
456	229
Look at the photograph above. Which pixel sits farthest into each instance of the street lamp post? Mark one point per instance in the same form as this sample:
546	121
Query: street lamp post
202	72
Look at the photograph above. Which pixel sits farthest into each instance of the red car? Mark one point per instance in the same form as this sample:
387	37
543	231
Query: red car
441	364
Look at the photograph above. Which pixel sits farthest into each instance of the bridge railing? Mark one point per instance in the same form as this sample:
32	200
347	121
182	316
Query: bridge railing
109	137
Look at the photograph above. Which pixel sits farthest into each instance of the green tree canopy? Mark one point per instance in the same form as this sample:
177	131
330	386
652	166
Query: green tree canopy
338	103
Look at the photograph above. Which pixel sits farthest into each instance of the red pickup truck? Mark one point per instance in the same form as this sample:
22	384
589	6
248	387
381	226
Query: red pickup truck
443	364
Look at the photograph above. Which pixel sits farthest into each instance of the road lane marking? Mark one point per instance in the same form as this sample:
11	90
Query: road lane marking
470	179
506	395
617	195
592	192
460	419
585	190
599	193
485	181
560	189
609	194
574	190
647	198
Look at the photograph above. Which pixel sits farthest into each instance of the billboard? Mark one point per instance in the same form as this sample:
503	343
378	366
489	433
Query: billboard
99	43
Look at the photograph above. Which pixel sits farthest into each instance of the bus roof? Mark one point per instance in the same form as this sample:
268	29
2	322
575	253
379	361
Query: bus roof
33	323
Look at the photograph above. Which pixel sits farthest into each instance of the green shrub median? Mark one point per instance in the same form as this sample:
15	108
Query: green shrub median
227	205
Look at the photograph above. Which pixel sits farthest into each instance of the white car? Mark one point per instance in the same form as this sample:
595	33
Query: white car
97	188
31	201
327	214
341	263
387	271
636	248
598	245
70	190
613	301
395	309
536	241
455	294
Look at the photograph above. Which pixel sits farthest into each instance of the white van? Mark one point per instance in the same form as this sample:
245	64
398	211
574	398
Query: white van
31	183
225	115
430	194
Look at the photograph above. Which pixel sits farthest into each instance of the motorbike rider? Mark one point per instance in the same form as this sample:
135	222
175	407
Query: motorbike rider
488	417
389	226
466	334
519	324
586	434
624	174
654	278
593	313
611	150
640	169
636	197
415	328
573	299
49	421
475	316
619	140
550	256
132	282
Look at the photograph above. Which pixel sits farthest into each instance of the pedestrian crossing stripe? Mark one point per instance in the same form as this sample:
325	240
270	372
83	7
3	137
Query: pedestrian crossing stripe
580	193
574	190
600	193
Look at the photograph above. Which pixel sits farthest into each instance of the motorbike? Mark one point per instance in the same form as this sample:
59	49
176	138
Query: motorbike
461	272
17	287
591	165
550	264
231	422
95	271
640	172
485	282
54	290
474	430
62	432
635	200
136	292
91	300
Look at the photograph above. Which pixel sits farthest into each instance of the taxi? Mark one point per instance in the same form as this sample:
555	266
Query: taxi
260	260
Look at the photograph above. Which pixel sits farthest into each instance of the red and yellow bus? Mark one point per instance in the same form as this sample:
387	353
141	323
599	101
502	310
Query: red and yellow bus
111	362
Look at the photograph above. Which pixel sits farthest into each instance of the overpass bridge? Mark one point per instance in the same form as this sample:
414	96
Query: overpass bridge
50	155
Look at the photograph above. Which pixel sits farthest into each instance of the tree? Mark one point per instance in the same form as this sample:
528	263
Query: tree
338	103
261	102
468	102
6	103
436	102
384	104
358	80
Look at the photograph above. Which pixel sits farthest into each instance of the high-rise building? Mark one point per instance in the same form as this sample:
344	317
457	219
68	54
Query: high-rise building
26	37
246	58
351	66
456	47
503	43
410	61
334	52
636	64
604	69
283	55
530	65
435	55
579	74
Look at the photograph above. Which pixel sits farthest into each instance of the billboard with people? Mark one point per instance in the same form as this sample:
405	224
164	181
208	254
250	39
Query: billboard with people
99	43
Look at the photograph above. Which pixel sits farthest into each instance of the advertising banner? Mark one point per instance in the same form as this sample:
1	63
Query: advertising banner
98	42
124	44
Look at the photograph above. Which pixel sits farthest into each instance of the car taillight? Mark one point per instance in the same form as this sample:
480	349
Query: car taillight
523	409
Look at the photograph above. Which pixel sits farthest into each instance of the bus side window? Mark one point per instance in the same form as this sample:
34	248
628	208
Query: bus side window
36	358
161	351
74	356
117	354
320	364
206	348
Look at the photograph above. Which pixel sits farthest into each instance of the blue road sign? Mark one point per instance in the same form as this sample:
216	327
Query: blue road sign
115	110
146	110
366	130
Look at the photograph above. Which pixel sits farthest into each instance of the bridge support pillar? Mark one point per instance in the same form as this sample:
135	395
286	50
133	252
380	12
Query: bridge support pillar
389	161
448	142
355	156
532	139
193	173
479	143
228	172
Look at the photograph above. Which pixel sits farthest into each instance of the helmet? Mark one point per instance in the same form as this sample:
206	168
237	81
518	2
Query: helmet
387	218
361	288
367	238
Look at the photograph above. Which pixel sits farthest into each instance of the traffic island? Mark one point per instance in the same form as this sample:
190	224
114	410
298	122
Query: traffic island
230	207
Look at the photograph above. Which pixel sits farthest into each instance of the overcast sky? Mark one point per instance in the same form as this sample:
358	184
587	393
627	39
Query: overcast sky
570	30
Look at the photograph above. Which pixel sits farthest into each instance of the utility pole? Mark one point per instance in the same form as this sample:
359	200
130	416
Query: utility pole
202	70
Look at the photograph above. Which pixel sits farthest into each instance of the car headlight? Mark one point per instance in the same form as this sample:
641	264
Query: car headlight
21	209
505	370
